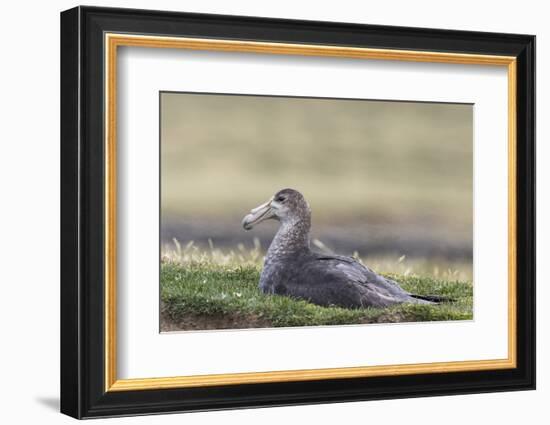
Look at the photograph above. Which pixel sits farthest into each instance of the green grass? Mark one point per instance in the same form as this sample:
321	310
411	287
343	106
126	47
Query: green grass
203	293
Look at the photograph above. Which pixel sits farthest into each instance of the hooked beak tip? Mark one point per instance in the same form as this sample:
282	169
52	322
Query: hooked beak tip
258	214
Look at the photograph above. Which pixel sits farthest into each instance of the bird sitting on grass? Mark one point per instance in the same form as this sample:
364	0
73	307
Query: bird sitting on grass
291	268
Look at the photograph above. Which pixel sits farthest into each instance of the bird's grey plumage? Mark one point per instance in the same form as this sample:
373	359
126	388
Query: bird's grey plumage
291	268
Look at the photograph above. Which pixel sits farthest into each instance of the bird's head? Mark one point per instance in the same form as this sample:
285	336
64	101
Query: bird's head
287	205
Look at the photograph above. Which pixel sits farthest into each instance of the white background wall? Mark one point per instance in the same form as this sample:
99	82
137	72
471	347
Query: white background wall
29	212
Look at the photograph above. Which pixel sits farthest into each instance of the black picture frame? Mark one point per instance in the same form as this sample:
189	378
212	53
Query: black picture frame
83	392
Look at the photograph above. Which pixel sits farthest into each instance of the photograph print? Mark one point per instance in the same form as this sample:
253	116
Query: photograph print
300	211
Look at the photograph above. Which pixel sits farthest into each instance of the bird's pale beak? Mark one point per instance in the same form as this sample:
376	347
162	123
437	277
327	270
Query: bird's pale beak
258	214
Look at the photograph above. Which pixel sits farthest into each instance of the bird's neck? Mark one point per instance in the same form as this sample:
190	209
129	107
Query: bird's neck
291	238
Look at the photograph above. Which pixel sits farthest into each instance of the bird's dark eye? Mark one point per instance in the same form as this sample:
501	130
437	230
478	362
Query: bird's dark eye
280	198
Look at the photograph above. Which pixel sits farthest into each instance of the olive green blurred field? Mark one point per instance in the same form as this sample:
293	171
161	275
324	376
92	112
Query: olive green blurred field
224	154
381	177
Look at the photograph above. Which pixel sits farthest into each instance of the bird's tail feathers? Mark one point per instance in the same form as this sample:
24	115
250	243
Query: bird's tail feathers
434	298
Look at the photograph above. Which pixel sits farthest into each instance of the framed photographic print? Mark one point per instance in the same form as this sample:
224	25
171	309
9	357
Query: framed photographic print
261	212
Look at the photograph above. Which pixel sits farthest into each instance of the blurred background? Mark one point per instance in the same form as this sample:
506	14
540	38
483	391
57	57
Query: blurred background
388	181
